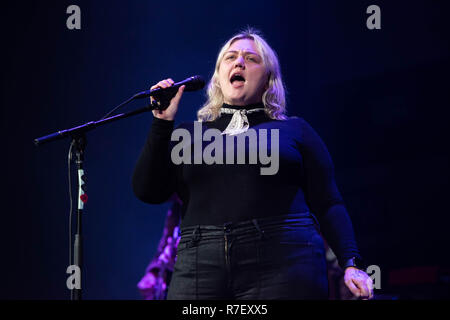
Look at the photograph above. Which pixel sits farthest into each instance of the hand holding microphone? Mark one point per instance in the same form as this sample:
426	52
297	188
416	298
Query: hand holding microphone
167	94
170	112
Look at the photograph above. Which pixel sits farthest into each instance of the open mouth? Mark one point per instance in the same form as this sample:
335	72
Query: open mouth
237	80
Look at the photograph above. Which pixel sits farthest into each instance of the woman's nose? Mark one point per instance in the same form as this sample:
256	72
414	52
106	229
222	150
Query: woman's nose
240	61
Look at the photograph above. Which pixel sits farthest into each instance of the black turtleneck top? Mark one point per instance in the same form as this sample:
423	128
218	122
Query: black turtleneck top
214	194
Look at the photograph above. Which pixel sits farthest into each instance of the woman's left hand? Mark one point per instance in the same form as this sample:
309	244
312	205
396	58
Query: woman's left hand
359	283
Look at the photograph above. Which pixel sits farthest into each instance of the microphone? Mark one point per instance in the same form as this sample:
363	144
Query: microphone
193	83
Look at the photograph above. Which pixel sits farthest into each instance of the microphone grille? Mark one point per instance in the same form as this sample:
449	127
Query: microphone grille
195	83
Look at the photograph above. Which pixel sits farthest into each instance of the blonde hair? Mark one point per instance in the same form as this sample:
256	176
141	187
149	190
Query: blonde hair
273	98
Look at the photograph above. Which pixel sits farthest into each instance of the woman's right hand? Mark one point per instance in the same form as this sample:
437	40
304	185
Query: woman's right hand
171	111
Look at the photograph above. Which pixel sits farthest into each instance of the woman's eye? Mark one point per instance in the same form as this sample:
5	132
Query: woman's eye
229	57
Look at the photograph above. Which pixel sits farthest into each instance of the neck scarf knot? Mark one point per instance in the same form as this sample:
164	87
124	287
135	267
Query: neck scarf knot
239	122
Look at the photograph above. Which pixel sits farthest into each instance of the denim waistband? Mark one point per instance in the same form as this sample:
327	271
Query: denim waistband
261	225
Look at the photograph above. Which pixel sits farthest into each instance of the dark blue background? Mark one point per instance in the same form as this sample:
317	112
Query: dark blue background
378	98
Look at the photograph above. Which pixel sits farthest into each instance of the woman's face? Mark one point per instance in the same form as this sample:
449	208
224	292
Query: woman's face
242	75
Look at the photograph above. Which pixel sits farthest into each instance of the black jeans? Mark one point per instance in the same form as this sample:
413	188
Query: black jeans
280	257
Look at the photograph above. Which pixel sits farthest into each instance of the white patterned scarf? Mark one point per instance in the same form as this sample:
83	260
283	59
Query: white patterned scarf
239	122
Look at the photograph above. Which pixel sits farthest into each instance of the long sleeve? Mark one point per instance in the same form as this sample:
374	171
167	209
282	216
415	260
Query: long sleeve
153	179
323	196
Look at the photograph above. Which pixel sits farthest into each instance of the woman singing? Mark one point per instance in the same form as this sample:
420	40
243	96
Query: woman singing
247	233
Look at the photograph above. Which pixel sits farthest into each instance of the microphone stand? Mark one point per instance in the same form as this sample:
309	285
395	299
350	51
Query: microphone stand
80	130
78	135
80	146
